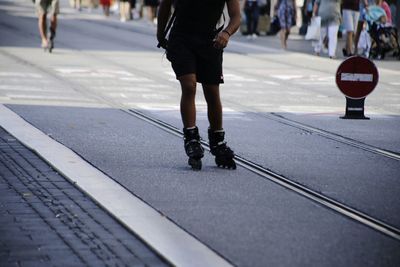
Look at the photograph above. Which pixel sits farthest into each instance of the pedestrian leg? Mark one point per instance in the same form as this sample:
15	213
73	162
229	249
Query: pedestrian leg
187	105
332	36
214	106
43	29
224	155
53	27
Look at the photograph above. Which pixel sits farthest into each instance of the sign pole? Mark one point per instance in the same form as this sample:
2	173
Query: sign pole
354	109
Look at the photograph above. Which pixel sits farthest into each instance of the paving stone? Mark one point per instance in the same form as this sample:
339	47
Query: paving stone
46	221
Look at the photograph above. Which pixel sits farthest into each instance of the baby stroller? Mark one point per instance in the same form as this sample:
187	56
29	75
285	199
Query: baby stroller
384	37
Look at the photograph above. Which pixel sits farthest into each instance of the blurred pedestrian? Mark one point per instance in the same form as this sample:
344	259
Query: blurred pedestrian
383	4
78	4
125	10
350	11
134	12
364	4
106	7
151	9
43	7
329	11
306	12
195	48
252	12
286	12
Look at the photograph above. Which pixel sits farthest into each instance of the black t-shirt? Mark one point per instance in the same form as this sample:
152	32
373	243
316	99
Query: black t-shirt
197	17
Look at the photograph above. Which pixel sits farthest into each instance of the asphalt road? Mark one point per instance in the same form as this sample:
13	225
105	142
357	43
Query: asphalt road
101	68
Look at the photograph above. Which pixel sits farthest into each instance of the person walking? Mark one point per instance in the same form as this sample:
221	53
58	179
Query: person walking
43	7
78	4
286	12
252	11
350	11
195	50
106	7
329	11
151	9
125	10
364	4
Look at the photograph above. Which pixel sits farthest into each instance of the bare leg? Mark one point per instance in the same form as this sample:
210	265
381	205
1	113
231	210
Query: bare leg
349	42
287	32
188	105
53	22
216	135
282	35
214	106
43	29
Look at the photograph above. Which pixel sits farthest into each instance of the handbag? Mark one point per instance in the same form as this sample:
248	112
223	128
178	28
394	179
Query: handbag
314	29
275	26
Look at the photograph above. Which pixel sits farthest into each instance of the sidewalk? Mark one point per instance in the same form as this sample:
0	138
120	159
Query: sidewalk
47	221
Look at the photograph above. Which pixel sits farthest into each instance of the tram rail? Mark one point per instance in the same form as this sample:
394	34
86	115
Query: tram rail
270	175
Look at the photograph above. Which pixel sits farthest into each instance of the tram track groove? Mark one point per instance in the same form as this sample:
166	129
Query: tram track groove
287	183
326	134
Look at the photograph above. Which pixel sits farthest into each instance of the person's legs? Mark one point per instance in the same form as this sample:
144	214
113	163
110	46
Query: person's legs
287	32
249	20
53	24
332	37
349	27
216	135
256	16
122	10
282	34
214	106
349	42
319	44
42	22
187	105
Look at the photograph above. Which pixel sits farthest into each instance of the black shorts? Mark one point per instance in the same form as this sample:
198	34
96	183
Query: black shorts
195	55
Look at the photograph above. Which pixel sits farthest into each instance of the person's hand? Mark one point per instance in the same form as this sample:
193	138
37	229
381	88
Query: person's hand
221	40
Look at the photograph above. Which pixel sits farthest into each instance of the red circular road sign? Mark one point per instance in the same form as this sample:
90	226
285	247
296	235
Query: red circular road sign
357	77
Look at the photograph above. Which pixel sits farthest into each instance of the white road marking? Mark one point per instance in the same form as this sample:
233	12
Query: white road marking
135	79
20	74
237	78
271	83
286	77
41	97
26	88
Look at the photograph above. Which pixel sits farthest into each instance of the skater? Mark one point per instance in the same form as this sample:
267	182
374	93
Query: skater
42	8
195	48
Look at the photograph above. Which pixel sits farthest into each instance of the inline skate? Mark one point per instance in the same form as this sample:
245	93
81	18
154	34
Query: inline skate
193	147
223	154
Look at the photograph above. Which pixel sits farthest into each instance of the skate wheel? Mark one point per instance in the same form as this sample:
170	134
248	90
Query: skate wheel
225	163
195	164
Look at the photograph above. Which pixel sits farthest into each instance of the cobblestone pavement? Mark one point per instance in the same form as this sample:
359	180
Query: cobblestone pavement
46	221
